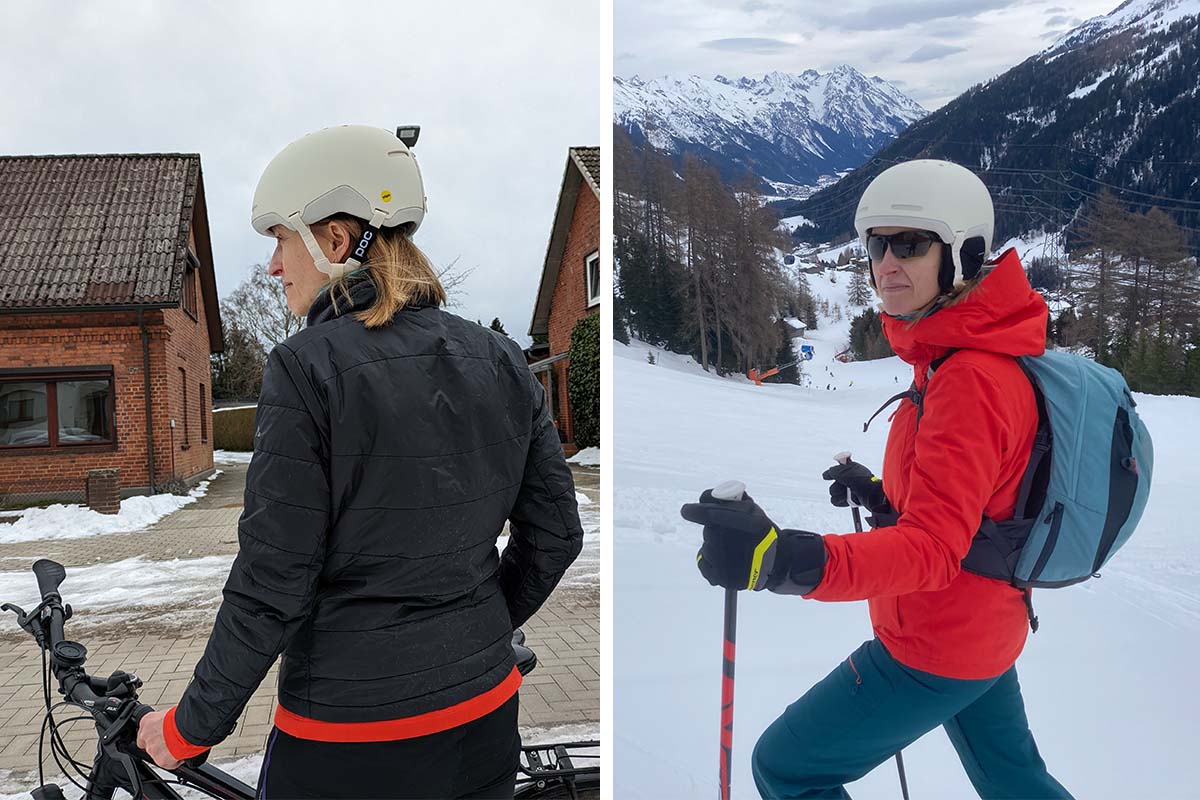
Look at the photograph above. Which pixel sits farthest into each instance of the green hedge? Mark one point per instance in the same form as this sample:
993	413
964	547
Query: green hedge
583	380
234	429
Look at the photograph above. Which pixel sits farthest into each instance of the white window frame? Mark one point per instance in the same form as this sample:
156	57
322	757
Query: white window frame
593	292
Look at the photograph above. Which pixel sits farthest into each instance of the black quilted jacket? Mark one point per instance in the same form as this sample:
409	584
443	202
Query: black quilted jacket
386	463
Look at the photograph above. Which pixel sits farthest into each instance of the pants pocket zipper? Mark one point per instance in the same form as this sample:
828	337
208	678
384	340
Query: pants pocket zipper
857	678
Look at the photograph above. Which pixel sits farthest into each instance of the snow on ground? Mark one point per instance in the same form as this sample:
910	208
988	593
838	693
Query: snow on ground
584	573
1037	244
789	224
234	408
582	499
106	593
1113	656
579	732
854	247
587	457
75	521
231	457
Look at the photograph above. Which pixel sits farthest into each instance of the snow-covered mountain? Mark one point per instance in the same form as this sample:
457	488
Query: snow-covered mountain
1146	16
1113	103
787	129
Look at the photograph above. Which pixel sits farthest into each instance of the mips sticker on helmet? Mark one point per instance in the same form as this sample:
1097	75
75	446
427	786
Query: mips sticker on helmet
385	196
364	243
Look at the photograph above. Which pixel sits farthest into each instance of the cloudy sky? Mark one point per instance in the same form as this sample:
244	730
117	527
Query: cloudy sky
931	49
500	90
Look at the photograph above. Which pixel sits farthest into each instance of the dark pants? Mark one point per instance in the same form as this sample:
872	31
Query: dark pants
871	707
476	760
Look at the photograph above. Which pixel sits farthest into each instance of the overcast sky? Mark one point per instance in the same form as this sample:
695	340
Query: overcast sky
931	49
501	90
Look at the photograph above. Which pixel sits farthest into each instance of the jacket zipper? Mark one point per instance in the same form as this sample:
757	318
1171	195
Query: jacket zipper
854	669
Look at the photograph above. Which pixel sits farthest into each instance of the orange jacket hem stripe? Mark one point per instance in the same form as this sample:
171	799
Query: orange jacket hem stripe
380	731
404	728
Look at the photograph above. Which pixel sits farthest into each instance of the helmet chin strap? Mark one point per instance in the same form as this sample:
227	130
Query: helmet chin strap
321	262
956	257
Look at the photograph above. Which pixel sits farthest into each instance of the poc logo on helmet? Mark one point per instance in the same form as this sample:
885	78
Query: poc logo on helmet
364	243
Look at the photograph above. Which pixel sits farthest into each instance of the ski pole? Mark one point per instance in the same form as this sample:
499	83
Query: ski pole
842	458
729	490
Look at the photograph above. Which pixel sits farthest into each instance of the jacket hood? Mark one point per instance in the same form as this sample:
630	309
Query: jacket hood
1002	315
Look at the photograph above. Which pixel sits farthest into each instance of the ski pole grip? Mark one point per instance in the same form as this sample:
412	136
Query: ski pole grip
729	490
844	458
50	576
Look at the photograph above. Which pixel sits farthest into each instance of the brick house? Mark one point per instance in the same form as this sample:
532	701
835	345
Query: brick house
107	298
570	286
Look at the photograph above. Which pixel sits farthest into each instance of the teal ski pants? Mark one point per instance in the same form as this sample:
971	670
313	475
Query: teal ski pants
871	707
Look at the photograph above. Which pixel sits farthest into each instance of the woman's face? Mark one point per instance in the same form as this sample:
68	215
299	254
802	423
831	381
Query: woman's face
909	284
293	264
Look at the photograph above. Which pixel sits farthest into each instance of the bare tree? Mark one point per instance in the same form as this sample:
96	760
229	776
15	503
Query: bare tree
259	307
452	279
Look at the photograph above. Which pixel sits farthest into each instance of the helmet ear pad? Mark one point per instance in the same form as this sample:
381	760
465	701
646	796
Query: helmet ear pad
972	255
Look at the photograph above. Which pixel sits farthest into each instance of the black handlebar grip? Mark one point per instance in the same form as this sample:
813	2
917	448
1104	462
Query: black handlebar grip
50	575
139	712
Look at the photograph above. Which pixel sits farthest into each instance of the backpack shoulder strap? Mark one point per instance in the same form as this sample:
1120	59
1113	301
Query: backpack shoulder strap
920	395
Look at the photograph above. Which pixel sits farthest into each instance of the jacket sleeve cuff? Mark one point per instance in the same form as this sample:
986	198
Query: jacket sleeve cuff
180	748
829	589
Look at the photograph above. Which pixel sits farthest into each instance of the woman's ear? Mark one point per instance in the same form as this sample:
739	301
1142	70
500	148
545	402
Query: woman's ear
339	241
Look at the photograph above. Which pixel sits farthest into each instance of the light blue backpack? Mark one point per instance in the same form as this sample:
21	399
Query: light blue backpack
1086	485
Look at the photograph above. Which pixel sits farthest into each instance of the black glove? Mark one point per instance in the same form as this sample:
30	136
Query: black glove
853	481
743	549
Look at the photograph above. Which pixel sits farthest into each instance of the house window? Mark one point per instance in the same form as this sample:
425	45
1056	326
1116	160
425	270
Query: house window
592	267
203	415
60	409
183	381
189	289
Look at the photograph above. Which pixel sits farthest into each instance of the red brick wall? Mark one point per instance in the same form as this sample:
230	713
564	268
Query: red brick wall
112	338
186	347
68	340
569	303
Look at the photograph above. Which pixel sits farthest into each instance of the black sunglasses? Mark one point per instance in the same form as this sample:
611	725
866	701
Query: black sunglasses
905	244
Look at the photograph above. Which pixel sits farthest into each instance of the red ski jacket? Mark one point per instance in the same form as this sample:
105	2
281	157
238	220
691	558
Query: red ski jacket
965	460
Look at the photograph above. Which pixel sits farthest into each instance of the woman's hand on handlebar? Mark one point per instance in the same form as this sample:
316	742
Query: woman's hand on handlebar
150	738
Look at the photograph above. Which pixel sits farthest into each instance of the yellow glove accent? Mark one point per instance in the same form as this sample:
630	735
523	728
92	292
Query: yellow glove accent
759	552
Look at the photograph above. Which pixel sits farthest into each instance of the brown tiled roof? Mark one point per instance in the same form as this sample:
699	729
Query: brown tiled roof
94	230
588	159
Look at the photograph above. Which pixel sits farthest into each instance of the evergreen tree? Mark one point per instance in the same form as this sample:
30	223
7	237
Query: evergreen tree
785	357
859	290
866	337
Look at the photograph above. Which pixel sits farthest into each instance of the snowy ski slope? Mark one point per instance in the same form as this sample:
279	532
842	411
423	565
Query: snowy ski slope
1108	679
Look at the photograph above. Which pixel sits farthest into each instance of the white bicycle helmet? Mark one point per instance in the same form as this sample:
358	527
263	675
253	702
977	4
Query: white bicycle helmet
937	196
349	169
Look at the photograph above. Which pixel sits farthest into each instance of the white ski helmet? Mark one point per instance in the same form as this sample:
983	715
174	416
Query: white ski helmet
937	196
349	169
